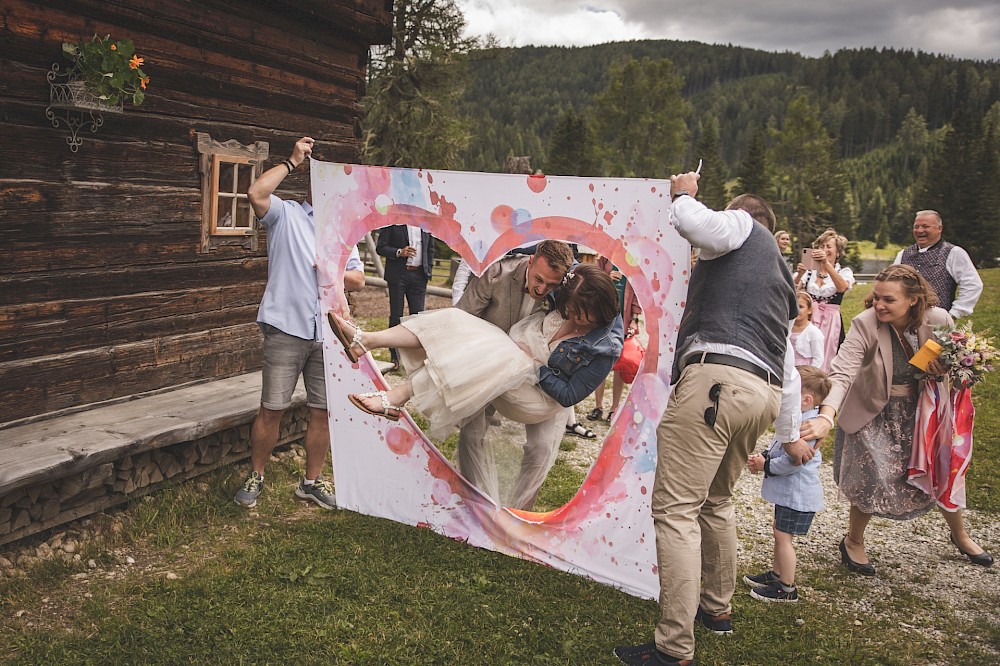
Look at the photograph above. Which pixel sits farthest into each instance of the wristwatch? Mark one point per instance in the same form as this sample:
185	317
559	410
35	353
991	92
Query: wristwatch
679	193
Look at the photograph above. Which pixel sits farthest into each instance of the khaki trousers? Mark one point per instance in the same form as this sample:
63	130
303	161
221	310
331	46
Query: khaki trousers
696	470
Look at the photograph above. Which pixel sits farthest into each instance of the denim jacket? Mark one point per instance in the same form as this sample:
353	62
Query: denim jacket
578	365
795	486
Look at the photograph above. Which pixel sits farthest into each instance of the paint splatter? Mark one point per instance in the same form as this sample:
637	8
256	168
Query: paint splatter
537	183
400	441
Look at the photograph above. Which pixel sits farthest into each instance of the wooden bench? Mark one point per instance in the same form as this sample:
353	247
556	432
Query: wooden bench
62	468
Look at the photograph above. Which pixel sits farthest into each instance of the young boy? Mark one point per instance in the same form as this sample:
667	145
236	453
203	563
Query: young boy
796	493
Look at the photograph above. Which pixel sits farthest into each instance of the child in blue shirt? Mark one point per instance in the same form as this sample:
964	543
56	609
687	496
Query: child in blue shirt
796	493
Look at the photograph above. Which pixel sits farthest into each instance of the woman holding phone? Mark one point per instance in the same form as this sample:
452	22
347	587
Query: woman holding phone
826	281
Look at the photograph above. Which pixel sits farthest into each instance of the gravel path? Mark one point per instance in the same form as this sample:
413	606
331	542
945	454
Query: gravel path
914	557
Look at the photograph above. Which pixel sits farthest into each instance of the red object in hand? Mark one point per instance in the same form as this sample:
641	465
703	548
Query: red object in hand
628	363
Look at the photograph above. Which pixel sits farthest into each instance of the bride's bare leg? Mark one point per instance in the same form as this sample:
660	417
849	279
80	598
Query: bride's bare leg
397	336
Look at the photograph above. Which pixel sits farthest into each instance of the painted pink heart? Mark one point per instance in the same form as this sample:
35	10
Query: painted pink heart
605	531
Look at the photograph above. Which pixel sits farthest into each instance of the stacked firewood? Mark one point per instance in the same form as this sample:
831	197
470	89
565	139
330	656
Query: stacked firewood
31	509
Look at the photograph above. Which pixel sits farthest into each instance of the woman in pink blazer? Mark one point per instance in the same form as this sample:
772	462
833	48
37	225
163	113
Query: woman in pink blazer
875	389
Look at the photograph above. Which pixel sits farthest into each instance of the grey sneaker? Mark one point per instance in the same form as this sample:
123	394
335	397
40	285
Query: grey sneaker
320	492
251	490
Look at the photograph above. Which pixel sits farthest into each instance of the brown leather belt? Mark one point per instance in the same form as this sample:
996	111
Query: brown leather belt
414	268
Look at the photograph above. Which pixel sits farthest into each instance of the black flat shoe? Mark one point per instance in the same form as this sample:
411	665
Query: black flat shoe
863	569
983	559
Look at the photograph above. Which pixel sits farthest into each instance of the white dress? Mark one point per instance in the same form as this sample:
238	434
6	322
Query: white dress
808	346
826	311
467	362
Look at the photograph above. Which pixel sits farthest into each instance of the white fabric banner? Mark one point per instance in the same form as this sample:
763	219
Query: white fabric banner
390	469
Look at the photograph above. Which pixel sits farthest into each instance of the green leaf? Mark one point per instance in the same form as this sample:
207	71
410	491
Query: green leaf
138	97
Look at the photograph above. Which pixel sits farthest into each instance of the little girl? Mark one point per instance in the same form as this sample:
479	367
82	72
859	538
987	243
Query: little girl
807	340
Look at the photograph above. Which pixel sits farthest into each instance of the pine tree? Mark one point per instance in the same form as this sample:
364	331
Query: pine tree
639	120
873	216
571	150
811	190
882	238
712	185
961	184
753	177
989	199
410	114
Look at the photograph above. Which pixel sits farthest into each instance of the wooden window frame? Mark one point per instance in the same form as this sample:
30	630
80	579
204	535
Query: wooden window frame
217	160
211	154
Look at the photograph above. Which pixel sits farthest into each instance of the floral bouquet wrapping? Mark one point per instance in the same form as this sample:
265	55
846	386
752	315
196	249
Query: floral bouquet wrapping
942	439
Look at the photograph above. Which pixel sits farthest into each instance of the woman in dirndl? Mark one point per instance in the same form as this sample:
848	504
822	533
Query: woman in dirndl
876	390
827	286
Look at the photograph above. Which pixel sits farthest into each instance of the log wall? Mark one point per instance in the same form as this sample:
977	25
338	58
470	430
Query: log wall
104	291
40	506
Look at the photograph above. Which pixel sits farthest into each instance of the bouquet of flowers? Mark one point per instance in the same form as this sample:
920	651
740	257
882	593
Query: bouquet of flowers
968	355
942	439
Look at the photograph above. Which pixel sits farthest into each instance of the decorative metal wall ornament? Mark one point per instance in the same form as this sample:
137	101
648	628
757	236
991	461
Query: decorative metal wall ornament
70	103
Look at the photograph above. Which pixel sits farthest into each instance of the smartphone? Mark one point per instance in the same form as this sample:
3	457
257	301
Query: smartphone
808	261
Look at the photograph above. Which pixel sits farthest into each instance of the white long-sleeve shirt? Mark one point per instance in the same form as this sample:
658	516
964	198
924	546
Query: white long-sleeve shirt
961	269
462	275
716	233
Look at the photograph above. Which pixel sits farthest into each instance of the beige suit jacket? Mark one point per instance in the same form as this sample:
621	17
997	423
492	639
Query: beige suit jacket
497	295
861	372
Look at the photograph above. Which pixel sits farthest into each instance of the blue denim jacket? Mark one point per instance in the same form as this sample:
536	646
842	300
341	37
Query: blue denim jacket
795	486
578	365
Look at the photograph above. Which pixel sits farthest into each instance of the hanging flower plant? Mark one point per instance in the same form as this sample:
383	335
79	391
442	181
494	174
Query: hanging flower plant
110	70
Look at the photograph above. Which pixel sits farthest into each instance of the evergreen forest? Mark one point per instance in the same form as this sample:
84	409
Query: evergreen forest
858	139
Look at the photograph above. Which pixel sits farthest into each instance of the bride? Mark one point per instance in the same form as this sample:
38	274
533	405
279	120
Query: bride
456	363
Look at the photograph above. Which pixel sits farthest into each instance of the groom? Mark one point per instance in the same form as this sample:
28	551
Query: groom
510	290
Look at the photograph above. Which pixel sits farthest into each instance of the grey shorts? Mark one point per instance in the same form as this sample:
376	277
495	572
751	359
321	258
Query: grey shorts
285	358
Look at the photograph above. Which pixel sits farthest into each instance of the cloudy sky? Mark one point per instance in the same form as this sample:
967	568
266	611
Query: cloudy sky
967	29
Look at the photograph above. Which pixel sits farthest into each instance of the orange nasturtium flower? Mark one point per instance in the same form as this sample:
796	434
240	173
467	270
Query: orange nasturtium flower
114	47
135	62
143	82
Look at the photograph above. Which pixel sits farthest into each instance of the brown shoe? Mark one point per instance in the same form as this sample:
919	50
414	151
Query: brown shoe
720	625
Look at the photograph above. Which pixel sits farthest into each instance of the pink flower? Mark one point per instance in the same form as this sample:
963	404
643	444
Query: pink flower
967	361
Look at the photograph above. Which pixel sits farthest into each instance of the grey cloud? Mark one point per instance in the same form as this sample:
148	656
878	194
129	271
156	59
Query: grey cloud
812	27
965	28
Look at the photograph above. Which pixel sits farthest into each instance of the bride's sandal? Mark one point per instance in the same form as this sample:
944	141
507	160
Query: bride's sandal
389	411
341	334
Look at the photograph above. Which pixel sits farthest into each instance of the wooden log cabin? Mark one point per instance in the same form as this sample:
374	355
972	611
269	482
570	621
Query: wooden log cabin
130	263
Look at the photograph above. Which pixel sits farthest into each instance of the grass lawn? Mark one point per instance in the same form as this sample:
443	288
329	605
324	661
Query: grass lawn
288	583
868	250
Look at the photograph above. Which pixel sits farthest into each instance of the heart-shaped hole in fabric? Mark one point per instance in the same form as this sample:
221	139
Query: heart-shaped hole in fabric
390	469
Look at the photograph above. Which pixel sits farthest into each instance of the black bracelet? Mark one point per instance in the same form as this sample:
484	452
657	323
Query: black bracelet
288	165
